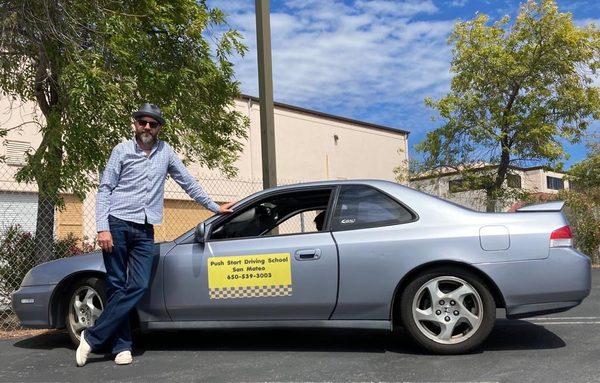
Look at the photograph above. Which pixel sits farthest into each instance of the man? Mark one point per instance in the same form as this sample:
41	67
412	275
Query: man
129	202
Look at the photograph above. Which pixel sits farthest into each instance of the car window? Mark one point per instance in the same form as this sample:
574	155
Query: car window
283	213
362	207
310	221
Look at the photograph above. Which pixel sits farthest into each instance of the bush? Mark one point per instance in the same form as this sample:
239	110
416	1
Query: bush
583	213
17	255
582	209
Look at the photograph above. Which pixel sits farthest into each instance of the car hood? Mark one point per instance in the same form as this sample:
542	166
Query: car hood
52	272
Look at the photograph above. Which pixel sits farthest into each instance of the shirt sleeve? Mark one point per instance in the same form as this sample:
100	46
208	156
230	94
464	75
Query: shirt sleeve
108	181
182	176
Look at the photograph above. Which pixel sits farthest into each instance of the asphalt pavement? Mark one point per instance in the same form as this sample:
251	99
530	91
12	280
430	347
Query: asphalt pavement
561	347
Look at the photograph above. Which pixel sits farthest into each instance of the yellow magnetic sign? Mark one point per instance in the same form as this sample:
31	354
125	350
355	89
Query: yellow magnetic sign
259	275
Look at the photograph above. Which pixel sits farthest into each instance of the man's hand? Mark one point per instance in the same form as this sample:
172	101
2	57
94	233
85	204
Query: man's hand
105	241
226	207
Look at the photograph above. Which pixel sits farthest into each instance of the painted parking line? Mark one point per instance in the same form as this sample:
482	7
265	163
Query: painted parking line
565	320
551	323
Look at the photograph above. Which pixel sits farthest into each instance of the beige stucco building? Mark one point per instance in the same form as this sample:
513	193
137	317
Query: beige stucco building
447	185
309	146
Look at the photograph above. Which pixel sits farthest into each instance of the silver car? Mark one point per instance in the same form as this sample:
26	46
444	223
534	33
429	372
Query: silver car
352	254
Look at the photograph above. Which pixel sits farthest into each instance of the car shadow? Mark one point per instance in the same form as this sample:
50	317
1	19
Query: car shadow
506	335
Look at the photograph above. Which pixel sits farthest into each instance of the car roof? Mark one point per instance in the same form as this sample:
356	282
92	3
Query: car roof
372	182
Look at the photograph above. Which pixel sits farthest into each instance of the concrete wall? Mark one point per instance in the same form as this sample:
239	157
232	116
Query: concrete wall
473	199
536	179
532	180
307	148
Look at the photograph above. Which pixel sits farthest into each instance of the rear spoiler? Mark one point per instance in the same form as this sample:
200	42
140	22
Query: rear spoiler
548	206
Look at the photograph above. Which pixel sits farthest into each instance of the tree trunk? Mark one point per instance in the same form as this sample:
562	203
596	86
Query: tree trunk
46	163
490	201
44	228
493	193
48	178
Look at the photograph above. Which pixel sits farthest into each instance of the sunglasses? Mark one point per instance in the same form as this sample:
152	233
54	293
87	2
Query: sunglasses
152	124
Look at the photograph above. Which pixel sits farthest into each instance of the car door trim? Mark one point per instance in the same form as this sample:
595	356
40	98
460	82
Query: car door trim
354	324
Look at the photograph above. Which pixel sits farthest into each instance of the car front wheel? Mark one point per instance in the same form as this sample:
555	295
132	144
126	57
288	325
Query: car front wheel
448	310
87	299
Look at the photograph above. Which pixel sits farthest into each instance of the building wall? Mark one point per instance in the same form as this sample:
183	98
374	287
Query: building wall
307	150
537	180
179	217
532	180
440	187
69	219
309	147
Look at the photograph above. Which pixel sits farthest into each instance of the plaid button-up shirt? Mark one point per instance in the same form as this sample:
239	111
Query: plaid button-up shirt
132	185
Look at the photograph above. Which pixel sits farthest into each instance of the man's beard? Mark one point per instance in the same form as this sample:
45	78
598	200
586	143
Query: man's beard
146	138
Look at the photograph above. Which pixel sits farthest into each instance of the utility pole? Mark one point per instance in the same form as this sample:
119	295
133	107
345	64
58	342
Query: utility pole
265	94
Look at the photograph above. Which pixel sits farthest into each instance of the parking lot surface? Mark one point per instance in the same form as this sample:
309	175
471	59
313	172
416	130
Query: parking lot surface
556	348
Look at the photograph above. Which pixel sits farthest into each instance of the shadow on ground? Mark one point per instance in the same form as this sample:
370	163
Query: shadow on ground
507	335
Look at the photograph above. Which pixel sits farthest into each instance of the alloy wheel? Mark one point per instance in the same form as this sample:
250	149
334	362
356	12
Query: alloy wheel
84	309
447	310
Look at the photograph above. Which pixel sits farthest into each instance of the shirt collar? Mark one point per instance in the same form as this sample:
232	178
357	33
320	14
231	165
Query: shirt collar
137	147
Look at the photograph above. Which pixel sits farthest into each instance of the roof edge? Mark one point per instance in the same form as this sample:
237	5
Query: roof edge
330	116
525	169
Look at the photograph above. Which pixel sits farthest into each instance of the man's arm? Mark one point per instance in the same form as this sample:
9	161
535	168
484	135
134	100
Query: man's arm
109	180
182	176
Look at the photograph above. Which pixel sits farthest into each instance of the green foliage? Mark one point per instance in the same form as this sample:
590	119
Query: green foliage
586	174
17	248
16	252
88	65
583	214
517	89
583	201
582	208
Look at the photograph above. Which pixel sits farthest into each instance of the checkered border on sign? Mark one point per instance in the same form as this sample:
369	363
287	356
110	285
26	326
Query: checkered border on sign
250	291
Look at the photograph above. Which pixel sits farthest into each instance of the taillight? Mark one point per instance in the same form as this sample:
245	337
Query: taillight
561	237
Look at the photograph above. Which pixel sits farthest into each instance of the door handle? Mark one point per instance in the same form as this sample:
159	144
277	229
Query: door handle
307	254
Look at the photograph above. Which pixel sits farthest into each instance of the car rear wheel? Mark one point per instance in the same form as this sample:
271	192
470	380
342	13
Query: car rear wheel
87	299
448	310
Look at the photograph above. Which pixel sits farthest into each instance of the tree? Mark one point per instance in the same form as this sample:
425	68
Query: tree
583	200
518	89
586	174
88	64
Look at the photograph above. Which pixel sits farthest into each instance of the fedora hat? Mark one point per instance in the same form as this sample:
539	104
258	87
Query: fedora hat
150	110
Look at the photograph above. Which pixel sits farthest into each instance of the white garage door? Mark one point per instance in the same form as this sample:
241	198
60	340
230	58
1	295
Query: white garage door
18	208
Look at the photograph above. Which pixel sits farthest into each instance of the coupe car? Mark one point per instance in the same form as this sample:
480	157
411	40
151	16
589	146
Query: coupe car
363	254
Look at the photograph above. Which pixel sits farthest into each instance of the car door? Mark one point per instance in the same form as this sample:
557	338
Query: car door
265	261
368	225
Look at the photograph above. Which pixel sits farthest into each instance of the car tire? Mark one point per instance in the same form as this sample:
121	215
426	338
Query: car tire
86	300
447	310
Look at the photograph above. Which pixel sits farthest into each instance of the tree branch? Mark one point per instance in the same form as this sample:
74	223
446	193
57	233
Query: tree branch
25	123
40	78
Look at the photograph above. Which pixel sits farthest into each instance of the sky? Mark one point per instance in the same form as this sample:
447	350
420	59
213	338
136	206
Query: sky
370	60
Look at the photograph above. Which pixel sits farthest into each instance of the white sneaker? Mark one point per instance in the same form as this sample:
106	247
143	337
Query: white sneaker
83	351
124	357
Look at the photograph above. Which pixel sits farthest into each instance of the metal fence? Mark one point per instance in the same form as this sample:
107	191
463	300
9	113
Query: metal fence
75	226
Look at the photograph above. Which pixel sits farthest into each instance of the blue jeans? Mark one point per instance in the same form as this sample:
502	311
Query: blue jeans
128	270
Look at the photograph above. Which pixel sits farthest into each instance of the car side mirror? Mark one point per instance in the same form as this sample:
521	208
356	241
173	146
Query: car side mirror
200	232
